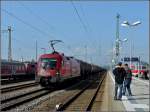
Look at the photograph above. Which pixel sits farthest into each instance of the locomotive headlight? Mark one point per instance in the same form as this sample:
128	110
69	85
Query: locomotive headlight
57	73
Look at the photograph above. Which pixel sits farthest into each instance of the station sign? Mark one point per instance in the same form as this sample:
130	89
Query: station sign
133	59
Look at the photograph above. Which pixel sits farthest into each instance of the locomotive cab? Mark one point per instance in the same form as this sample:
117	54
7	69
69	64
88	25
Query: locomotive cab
48	69
48	63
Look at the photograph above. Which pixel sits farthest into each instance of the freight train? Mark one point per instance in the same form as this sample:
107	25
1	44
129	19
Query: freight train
16	69
56	68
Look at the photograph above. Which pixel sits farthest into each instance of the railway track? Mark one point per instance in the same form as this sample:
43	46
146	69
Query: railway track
12	102
7	81
60	102
16	87
83	100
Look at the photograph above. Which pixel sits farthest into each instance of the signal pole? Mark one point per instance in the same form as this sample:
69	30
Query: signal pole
36	51
117	38
86	53
9	45
0	53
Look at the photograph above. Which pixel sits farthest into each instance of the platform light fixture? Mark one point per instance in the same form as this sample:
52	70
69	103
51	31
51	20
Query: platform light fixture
124	40
127	24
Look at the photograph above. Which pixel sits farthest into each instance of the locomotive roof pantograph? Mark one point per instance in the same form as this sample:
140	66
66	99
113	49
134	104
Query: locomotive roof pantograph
52	43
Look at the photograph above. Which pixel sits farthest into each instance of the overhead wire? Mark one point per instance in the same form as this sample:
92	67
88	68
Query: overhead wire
42	20
80	19
47	23
26	23
20	42
37	29
91	32
22	21
36	15
85	23
84	16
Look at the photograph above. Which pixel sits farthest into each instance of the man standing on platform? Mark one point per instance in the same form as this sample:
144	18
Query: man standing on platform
119	73
127	80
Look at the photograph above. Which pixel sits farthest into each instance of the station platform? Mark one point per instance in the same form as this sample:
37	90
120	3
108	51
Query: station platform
139	101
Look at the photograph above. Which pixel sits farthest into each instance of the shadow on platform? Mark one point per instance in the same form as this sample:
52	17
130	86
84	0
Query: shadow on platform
140	94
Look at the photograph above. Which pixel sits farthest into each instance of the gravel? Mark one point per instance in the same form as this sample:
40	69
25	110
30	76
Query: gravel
27	107
18	92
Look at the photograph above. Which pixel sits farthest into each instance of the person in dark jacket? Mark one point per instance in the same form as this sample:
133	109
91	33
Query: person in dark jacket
119	73
127	81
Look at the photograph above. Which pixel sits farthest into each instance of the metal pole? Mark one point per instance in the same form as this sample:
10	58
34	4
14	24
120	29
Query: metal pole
91	64
0	56
117	38
139	67
130	52
86	53
36	51
9	45
100	53
112	61
149	52
149	43
21	57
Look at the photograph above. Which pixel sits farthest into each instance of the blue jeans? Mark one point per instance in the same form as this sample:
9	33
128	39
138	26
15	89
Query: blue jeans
126	85
118	90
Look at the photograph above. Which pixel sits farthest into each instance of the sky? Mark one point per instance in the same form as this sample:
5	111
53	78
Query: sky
87	29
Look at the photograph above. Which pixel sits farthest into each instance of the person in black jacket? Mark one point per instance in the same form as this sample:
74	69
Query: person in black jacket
127	81
119	73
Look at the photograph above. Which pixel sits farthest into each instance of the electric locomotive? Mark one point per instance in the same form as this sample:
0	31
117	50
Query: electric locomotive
55	68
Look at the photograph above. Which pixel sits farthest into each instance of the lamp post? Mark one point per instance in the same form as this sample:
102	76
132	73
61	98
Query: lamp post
121	42
117	38
127	24
86	53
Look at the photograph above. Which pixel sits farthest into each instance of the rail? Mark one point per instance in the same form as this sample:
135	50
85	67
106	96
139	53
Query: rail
23	98
70	101
16	87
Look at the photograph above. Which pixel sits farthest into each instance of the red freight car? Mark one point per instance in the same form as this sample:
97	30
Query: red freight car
12	69
16	69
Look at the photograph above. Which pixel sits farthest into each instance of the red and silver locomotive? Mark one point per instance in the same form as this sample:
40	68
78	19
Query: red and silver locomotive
55	68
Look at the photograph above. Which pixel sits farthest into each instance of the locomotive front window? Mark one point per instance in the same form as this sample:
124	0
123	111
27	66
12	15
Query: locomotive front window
49	63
